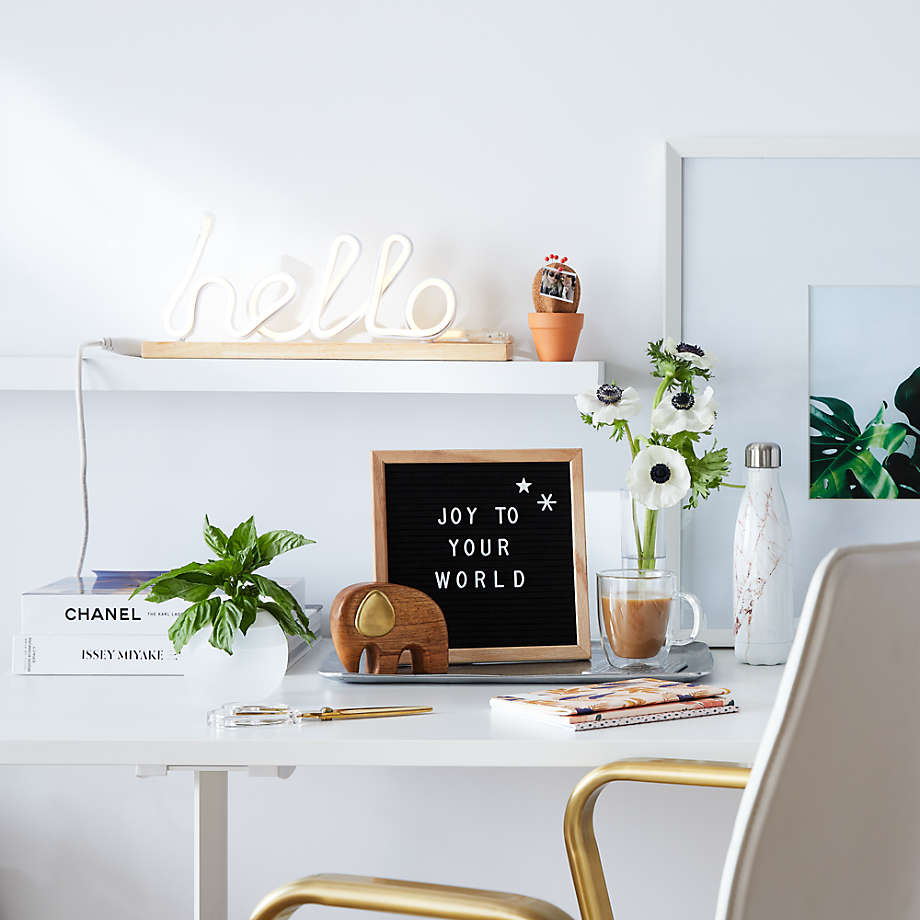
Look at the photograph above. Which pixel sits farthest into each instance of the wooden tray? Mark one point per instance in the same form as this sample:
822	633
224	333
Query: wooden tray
334	351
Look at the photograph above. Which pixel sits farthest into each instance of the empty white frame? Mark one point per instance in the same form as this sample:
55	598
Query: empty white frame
751	225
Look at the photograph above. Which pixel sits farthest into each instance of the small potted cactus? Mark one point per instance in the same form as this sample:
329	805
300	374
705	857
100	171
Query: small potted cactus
556	323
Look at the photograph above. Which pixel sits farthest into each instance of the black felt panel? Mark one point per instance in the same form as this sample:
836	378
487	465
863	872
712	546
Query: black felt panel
509	580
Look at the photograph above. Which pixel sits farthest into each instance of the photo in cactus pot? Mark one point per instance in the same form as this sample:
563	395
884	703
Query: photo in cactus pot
864	414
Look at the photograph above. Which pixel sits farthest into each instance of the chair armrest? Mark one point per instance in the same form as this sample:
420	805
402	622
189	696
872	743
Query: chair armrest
398	897
580	841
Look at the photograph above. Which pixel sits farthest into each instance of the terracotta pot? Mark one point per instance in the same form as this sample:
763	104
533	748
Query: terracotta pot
556	334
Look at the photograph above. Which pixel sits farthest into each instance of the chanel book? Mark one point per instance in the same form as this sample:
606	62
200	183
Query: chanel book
101	604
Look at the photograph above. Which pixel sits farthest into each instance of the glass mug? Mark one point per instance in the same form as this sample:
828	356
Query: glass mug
638	617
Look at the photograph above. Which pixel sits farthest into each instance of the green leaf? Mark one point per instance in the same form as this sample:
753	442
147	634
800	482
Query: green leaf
191	620
842	420
276	592
243	538
189	588
172	573
841	463
215	538
292	624
907	398
250	608
220	570
707	472
905	472
275	542
226	622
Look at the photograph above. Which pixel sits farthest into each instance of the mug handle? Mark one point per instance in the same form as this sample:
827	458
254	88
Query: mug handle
697	609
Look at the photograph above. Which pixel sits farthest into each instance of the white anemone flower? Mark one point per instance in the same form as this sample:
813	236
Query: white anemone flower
608	403
685	412
658	477
692	354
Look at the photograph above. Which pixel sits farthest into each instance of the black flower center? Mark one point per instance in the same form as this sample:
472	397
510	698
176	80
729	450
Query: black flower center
694	349
609	394
660	473
682	400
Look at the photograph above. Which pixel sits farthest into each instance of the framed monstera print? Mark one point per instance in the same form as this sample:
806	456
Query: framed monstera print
864	406
794	263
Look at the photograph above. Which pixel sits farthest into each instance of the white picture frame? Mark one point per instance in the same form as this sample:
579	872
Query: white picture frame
677	153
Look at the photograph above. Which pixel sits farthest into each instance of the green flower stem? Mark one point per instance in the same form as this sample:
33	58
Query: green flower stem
633	447
635	519
647	549
662	389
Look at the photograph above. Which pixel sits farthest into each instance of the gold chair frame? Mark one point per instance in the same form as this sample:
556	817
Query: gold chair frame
428	900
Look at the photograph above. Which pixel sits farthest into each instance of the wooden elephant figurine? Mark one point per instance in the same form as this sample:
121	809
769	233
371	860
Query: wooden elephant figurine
385	620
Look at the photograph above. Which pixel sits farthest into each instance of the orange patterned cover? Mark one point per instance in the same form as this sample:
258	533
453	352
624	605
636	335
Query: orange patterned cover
608	697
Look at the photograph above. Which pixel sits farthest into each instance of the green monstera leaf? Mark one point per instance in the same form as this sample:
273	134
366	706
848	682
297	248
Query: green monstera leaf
842	464
907	398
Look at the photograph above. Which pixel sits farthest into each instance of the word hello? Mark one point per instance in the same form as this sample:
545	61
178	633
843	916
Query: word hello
275	291
101	613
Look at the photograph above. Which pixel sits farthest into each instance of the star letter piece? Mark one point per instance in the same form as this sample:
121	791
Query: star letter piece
523	485
546	502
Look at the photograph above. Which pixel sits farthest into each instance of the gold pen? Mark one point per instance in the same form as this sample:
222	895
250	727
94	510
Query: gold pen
234	715
327	714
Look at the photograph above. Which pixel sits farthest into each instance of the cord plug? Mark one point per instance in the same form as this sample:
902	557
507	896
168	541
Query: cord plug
130	347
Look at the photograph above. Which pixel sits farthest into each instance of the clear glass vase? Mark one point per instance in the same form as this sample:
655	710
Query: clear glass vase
642	535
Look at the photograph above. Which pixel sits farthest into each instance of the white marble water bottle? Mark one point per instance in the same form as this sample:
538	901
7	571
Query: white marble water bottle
764	624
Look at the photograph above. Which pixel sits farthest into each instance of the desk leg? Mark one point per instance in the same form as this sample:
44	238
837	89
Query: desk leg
210	845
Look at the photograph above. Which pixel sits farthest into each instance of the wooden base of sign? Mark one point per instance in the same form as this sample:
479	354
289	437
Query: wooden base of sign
334	351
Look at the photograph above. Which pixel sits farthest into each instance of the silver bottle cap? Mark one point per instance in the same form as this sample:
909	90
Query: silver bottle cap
763	455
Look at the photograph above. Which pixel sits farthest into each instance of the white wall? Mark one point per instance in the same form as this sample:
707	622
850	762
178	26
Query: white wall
491	133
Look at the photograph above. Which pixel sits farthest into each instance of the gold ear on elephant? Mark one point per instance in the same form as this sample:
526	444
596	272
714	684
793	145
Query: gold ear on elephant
383	620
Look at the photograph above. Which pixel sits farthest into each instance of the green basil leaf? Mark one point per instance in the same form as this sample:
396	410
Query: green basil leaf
192	591
226	622
172	573
276	592
215	538
242	538
191	620
250	608
286	621
275	542
219	570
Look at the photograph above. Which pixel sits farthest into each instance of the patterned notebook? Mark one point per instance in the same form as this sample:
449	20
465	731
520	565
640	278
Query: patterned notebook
618	703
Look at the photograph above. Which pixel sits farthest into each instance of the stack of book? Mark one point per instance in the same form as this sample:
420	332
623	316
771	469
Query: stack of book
625	702
92	625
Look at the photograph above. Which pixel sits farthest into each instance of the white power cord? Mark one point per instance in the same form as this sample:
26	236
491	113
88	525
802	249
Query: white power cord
119	346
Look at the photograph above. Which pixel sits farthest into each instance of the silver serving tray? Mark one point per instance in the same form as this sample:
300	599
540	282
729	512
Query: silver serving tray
684	663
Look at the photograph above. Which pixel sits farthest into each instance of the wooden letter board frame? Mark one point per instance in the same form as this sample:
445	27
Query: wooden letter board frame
573	456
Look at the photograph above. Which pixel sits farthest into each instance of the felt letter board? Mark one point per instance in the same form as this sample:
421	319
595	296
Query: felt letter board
497	539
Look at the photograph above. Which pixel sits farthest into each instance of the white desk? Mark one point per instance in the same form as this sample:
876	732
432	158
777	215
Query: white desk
153	725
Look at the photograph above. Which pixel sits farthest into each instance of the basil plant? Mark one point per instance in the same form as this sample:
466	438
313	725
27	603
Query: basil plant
226	593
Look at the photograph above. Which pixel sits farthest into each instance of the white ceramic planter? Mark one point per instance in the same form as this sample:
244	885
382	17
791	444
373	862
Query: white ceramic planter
253	672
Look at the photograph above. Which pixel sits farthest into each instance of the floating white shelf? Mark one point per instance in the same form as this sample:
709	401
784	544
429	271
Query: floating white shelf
116	372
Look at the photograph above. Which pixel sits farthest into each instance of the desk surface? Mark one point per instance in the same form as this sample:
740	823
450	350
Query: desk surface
152	720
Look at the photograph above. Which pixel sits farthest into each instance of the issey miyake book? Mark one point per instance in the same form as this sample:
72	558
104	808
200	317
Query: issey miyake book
108	654
102	604
94	654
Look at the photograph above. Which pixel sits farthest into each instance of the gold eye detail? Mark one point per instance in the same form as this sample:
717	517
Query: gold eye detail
375	616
